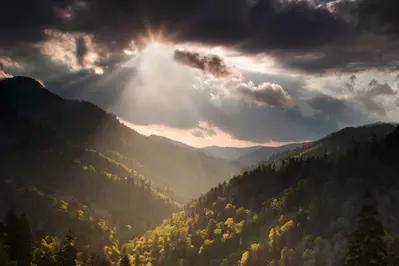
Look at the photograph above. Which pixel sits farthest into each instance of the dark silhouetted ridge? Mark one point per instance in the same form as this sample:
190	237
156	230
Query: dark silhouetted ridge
25	95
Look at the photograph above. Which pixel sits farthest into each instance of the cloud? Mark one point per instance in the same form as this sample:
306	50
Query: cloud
5	64
157	90
212	64
371	97
203	131
141	96
66	42
75	50
198	134
4	74
81	50
308	36
266	94
24	21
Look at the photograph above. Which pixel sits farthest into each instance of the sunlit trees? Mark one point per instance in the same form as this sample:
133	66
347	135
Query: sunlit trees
45	252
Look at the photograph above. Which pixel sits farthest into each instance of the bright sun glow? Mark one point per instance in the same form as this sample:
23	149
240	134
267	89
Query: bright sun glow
153	36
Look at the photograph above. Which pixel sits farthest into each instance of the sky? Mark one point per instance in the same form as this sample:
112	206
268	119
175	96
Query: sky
214	72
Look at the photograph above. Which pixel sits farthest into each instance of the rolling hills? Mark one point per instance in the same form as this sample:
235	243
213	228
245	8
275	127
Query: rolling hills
187	173
229	153
298	210
264	153
68	164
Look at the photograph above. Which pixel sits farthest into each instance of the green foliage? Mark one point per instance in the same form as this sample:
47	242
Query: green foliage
300	213
367	246
109	185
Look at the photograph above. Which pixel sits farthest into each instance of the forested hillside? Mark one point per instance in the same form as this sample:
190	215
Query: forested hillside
184	172
79	188
68	165
336	143
301	211
60	186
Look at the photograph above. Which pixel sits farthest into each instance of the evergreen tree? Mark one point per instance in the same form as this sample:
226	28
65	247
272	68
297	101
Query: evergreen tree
11	231
25	241
67	254
18	238
367	246
4	260
125	261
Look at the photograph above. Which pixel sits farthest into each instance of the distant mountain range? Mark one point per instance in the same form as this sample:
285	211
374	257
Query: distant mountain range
229	153
333	143
242	156
264	153
174	142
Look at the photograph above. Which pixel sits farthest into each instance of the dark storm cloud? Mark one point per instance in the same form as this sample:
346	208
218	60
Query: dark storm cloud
338	35
24	21
379	15
212	64
81	50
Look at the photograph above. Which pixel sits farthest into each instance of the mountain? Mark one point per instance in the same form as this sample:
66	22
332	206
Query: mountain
186	173
69	165
58	180
336	143
332	143
229	153
174	142
301	211
264	153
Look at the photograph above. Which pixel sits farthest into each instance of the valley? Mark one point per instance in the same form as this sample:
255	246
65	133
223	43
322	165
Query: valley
73	171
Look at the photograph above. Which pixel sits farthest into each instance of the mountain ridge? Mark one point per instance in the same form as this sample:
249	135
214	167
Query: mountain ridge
165	163
298	211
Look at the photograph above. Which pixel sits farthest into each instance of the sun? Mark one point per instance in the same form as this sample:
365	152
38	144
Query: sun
153	36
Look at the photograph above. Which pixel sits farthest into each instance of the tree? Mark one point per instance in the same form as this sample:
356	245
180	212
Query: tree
66	256
11	230
393	250
367	245
125	261
18	238
44	254
3	254
25	241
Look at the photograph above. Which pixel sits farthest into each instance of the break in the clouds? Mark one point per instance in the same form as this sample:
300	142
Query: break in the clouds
266	70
